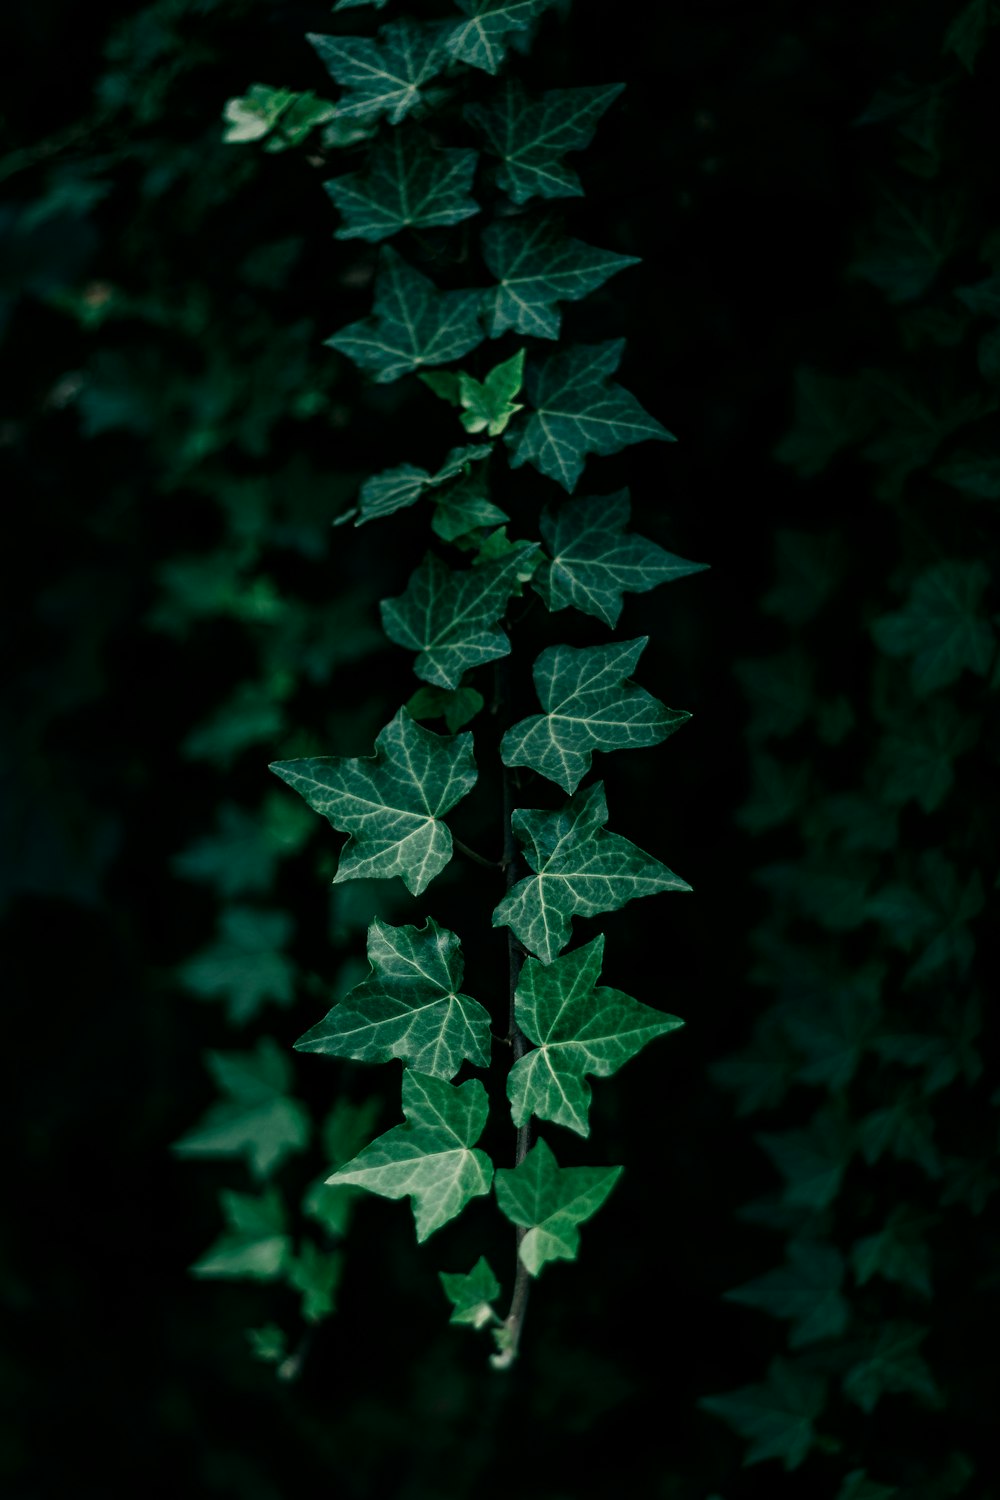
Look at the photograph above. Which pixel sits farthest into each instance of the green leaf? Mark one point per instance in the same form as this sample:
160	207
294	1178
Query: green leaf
833	1029
482	40
269	1344
577	1029
471	1294
588	706
967	33
830	414
431	1158
974	473
536	266
408	184
346	1129
580	870
255	1245
779	689
532	136
776	1418
917	757
451	616
809	569
899	1253
857	1486
462	510
391	803
257	1120
761	1074
806	1290
906	1129
355	4
891	1366
316	1274
244	968
410	1006
577	410
240	857
383	77
489	405
812	1161
412	323
594	560
397	489
908	243
550	1202
942	626
456	706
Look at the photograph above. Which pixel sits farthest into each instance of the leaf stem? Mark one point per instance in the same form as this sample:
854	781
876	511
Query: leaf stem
479	859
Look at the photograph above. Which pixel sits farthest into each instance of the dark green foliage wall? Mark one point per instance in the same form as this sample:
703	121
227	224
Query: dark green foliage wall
812	193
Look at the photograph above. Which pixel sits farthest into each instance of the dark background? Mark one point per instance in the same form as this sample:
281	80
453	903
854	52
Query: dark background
734	168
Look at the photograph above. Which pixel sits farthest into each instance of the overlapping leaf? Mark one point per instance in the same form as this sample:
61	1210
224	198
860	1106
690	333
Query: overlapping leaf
431	1158
531	136
450	616
256	1243
397	489
578	409
408	183
537	265
488	404
589	705
594	560
579	870
578	1028
551	1202
412	325
483	39
257	1119
410	1006
891	1364
391	803
942	626
383	77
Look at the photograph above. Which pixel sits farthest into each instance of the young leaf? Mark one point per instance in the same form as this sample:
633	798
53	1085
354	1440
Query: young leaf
578	409
456	706
409	1007
806	1290
776	1418
580	870
589	706
451	616
891	1365
412	323
257	1120
577	1029
397	489
431	1158
550	1202
942	626
383	77
471	1294
255	1245
489	405
536	266
594	561
391	803
408	184
465	508
482	40
532	136
245	967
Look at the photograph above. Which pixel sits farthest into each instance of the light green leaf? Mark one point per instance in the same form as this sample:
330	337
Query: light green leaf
397	489
252	117
410	1006
245	967
594	560
412	323
316	1274
806	1290
391	803
898	1252
580	870
550	1202
457	706
578	409
532	136
537	265
909	242
892	1365
257	1120
482	40
857	1486
589	705
577	1029
451	616
429	1159
776	1418
255	1246
384	76
942	626
408	184
489	405
471	1294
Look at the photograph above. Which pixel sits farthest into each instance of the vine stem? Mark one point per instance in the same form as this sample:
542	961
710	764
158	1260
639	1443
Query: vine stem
479	859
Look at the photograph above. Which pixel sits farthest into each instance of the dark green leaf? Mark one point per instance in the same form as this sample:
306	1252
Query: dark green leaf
483	39
455	706
397	489
812	1161
245	967
531	137
942	626
315	1273
550	1202
806	1290
892	1365
776	1418
536	266
383	77
898	1252
408	184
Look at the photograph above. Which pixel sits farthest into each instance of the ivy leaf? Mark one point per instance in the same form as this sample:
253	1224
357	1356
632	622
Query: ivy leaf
974	473
550	1202
255	1245
482	40
776	1418
588	706
897	1252
456	706
285	117
905	1128
812	1161
471	1294
578	410
383	77
537	265
240	857
909	243
857	1486
830	414
245	967
917	757
464	509
408	184
410	1006
257	1120
391	804
761	1074
892	1365
967	33
532	136
412	323
315	1273
397	489
577	1029
355	4
580	870
809	569
941	626
431	1158
806	1290
834	1028
487	405
346	1129
594	560
450	616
